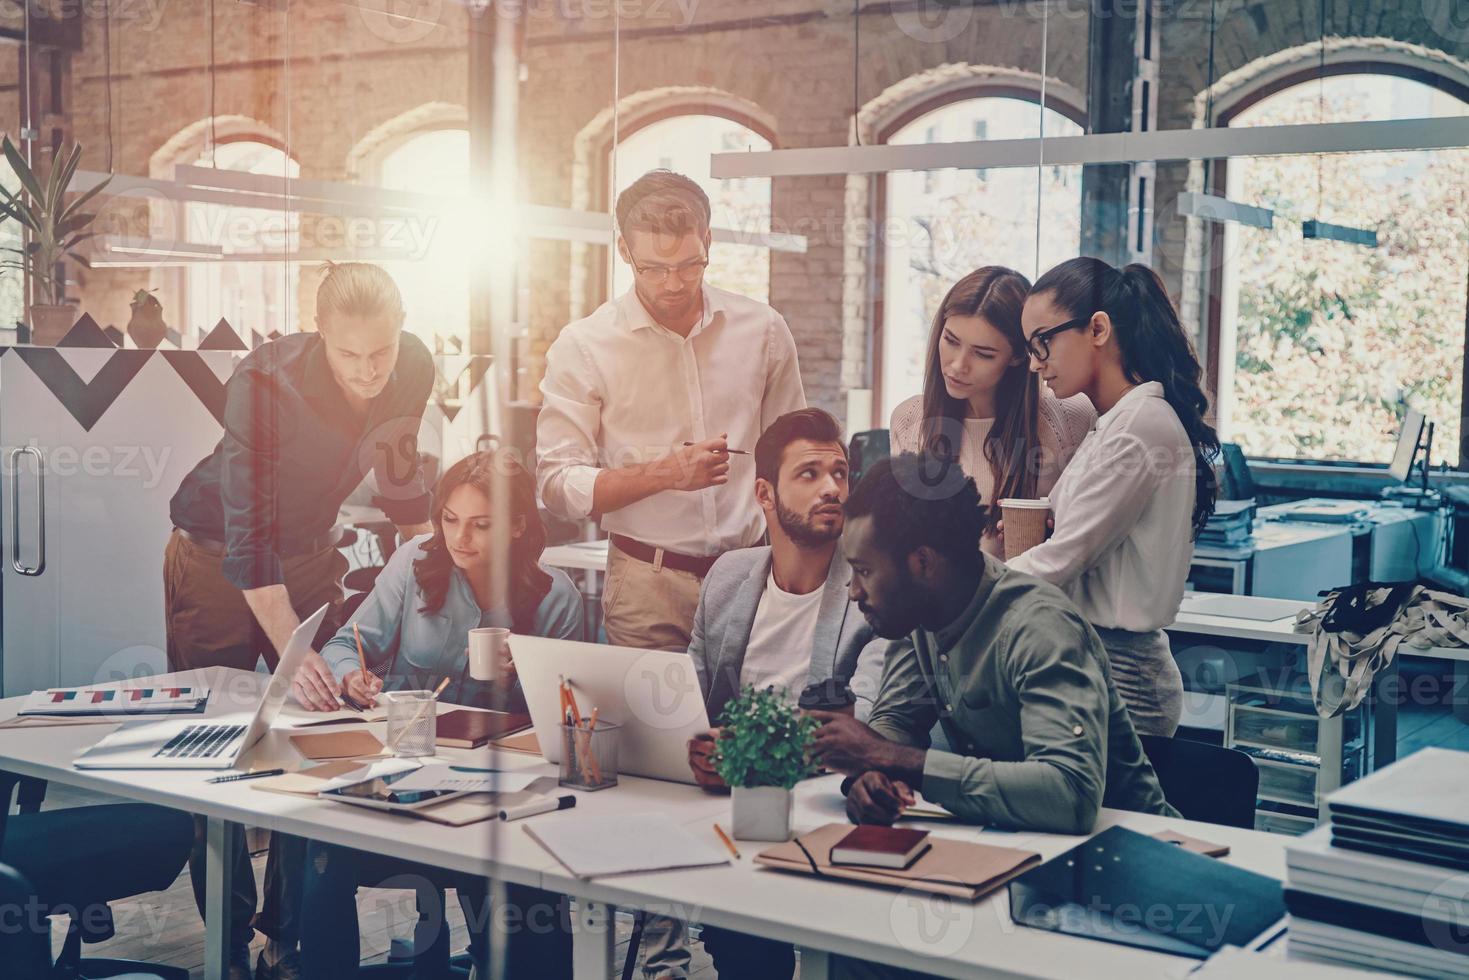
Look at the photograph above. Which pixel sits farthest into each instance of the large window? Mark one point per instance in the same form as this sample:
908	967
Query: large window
12	301
1324	343
684	144
254	292
943	224
435	284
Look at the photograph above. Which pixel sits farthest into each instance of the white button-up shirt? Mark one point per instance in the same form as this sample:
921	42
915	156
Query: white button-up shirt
1124	517
620	389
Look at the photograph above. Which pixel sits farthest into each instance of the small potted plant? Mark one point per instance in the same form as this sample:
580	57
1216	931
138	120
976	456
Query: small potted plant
762	753
54	230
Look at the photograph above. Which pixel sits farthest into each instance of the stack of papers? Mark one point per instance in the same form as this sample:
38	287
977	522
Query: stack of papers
1383	885
1231	525
113	700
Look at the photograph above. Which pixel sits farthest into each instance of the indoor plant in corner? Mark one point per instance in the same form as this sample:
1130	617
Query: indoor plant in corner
53	231
762	753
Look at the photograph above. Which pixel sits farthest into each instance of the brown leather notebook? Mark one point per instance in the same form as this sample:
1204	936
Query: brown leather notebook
463	728
949	867
873	846
322	746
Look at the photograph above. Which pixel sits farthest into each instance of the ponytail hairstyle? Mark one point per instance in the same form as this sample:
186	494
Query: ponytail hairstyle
529	583
998	295
357	289
1154	347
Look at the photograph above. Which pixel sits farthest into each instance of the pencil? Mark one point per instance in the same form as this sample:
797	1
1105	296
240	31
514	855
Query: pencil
727	842
440	689
575	710
591	755
361	657
732	452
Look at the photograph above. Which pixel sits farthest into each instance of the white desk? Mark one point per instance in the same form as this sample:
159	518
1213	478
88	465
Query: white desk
937	936
1282	630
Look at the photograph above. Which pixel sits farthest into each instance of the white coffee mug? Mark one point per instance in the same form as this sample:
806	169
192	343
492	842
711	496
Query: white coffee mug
485	644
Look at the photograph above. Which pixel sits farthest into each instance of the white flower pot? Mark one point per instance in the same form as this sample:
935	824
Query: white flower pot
762	813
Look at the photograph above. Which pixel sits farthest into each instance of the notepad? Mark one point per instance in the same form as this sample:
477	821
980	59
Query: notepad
441	777
618	845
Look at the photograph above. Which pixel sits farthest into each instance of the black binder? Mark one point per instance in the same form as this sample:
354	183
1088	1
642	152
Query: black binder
1125	887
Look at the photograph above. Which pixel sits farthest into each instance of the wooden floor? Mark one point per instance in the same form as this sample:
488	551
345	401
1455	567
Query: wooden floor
163	927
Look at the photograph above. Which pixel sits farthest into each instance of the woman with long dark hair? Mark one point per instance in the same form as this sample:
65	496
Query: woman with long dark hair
981	405
415	629
1130	503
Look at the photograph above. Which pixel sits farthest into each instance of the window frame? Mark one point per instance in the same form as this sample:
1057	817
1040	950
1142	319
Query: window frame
1219	183
981	89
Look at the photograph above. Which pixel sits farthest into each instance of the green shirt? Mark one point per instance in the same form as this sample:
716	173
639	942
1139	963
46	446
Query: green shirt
1023	688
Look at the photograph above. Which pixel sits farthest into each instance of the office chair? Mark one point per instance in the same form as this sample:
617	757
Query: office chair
1205	782
1238	482
81	859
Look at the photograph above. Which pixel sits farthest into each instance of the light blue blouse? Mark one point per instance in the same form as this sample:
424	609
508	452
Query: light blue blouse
426	647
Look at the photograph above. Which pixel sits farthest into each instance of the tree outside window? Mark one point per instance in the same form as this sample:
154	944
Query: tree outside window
1324	344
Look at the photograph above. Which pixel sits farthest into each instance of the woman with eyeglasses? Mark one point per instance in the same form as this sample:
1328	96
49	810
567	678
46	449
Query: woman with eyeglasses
981	405
1140	488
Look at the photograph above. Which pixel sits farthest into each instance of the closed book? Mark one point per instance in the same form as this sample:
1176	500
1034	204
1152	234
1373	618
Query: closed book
464	728
1422	929
1314	852
880	847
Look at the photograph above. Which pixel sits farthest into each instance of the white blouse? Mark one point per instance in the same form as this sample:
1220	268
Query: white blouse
1063	424
1124	517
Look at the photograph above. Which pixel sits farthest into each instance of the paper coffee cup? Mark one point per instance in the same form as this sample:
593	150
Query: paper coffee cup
485	644
1025	523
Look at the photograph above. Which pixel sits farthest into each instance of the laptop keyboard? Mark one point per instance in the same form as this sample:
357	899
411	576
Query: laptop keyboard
200	742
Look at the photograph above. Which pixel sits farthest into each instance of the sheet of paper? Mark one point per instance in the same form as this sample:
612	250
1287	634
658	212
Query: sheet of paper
625	843
439	777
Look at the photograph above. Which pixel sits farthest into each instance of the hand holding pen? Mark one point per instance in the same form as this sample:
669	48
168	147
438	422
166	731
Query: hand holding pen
361	687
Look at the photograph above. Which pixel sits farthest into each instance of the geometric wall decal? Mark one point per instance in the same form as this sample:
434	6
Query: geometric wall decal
85	333
222	337
201	379
86	401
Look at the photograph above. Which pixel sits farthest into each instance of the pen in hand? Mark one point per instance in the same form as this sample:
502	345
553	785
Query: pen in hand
732	452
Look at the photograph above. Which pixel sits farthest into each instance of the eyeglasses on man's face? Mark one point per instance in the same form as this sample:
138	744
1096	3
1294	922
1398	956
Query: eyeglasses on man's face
1039	343
656	274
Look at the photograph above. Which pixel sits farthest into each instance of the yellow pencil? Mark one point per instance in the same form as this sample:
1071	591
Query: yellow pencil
727	842
361	657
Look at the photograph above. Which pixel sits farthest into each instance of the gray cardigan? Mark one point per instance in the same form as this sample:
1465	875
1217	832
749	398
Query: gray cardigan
844	645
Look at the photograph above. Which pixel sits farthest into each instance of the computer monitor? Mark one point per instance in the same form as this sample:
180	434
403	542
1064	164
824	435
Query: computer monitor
1410	437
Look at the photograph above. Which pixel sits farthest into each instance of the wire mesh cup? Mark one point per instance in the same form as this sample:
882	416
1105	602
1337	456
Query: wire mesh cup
589	755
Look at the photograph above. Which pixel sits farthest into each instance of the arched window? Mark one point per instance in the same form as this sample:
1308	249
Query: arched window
435	284
942	224
1321	343
253	292
683	143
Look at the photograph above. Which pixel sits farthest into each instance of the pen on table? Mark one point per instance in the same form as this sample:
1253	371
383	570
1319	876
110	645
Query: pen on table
727	842
732	452
539	806
235	777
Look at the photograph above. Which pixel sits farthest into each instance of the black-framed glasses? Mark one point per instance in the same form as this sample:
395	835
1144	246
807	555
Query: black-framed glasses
1039	343
656	275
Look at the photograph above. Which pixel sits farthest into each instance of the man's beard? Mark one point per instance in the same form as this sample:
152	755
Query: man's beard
902	614
802	530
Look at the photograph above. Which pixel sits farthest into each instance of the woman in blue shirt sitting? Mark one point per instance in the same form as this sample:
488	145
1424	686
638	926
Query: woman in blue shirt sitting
415	626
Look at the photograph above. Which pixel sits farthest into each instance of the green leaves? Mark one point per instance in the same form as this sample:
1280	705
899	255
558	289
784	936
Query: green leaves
765	741
55	228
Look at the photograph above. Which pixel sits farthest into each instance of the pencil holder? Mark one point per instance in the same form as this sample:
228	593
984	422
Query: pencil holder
589	755
412	720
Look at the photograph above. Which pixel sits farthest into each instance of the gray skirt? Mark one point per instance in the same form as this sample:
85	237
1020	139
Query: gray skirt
1147	678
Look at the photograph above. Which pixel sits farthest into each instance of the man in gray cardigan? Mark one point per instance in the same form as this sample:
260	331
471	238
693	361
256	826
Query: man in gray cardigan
778	615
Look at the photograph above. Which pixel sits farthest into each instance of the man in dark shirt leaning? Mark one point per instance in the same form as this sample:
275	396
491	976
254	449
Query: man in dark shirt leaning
253	551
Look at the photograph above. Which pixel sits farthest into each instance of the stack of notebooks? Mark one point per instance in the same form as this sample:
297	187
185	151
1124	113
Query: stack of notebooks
1232	525
1385	885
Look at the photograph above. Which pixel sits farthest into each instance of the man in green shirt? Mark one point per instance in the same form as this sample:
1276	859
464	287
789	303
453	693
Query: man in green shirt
1004	662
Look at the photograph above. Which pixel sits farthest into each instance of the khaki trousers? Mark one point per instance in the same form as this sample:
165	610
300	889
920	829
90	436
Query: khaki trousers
645	607
652	609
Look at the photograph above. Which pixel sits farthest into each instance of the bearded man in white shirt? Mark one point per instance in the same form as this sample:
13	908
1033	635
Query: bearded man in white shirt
644	399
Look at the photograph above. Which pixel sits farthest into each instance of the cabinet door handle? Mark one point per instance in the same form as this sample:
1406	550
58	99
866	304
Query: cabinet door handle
15	562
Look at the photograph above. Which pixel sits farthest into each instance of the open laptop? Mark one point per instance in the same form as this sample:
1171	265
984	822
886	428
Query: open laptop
217	742
653	694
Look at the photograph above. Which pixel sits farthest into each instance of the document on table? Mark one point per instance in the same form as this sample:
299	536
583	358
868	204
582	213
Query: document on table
372	770
615	845
440	777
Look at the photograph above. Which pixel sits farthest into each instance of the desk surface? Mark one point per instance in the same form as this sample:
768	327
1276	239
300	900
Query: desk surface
938	936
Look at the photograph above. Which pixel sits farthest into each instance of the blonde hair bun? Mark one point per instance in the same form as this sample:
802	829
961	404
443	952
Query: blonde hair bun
357	289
